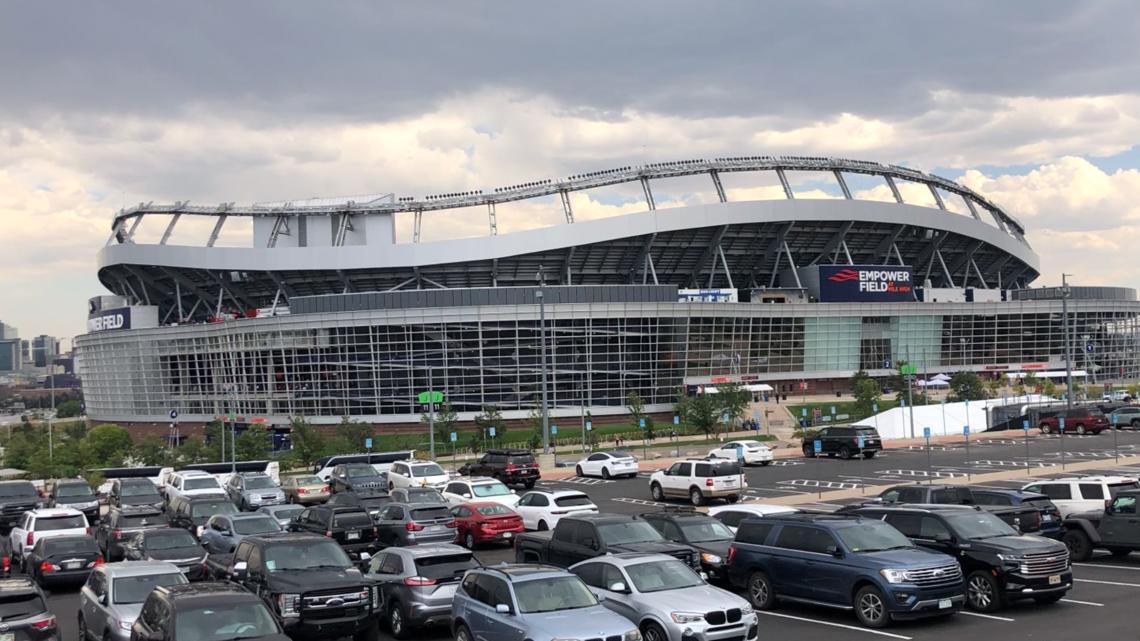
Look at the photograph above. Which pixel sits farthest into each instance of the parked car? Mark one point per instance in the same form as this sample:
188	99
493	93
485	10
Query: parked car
417	584
858	564
192	484
223	531
1077	495
1000	564
213	610
1079	420
700	531
417	496
732	515
75	494
1128	416
168	545
111	599
62	559
1025	518
513	467
1116	528
666	600
305	489
417	474
373	502
479	488
351	527
251	490
283	514
411	524
17	497
699	480
192	513
532	602
844	441
1048	513
122	524
585	536
744	452
356	477
38	524
608	465
541	510
134	492
485	522
26	613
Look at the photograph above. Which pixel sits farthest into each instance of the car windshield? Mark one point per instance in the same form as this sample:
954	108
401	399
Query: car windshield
705	530
138	489
1039	501
724	469
752	444
573	500
429	497
18	606
135	589
430	513
210	508
866	432
352	520
77	522
872	536
428	469
260	483
73	490
1117	488
490	489
257	525
524	459
360	471
200	484
978	525
657	576
445	566
170	539
224	621
305	555
628	532
493	509
18	490
70	545
553	594
141	520
285	511
622	454
374	503
301	481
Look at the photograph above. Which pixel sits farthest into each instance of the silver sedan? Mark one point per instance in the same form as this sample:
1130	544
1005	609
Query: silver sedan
666	599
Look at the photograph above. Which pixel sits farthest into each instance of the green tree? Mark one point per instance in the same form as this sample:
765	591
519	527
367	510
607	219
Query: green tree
351	434
636	406
490	417
1049	387
68	409
701	411
308	446
445	420
867	395
967	386
195	450
152	450
733	401
902	395
254	443
1030	381
107	445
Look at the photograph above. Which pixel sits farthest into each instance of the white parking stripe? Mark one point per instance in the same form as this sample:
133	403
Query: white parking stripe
985	616
1126	585
1107	566
1099	605
834	625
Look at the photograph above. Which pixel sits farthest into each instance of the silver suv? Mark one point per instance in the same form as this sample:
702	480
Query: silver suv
417	584
251	491
532	602
111	599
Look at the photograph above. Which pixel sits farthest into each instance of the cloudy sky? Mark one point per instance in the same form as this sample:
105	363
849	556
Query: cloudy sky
1035	104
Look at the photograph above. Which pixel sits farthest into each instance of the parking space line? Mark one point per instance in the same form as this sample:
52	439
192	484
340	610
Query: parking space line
985	616
834	625
1098	605
1126	585
1108	566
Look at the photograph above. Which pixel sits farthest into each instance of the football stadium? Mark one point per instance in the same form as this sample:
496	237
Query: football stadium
320	312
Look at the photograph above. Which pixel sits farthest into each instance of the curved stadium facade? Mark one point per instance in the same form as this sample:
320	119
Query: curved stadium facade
792	292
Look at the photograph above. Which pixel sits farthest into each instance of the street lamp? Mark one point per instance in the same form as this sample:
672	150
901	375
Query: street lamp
540	295
1068	345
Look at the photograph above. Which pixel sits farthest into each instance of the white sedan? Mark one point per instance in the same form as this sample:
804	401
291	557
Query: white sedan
750	452
542	510
479	488
607	464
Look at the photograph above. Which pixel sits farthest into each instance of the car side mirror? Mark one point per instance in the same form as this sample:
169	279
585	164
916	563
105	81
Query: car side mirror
618	587
835	551
104	600
466	495
943	537
240	569
503	608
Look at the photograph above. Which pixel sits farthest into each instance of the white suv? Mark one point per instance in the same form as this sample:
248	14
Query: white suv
39	524
1082	494
417	474
192	483
478	489
699	480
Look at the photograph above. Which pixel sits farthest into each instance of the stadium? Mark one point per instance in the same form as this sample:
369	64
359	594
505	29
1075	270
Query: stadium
323	314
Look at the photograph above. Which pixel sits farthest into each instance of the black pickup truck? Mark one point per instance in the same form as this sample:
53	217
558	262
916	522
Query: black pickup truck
1024	518
1116	529
308	583
577	538
16	497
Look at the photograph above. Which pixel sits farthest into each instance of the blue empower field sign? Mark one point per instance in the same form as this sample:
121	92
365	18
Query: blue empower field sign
856	283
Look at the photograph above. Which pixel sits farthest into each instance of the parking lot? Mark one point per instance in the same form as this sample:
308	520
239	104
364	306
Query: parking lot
1106	588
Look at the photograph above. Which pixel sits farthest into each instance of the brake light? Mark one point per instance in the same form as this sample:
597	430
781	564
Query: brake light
375	533
6	563
302	490
731	553
451	524
46	624
117	533
98	561
328	533
511	467
418	581
46	566
87	531
326	489
708	482
413	527
30	542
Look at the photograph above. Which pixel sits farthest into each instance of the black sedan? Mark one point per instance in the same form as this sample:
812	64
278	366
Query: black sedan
62	559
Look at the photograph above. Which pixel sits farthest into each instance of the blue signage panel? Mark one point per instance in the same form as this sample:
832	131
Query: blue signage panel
368	443
859	283
491	431
589	426
454	437
926	432
818	445
554	429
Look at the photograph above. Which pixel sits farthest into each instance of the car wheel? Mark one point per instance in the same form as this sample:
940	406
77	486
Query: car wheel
760	592
983	592
734	498
656	492
529	485
1080	429
462	633
469	541
845	453
606	473
542	526
1044	428
653	632
82	628
1080	547
1135	423
870	608
696	497
868	454
1120	552
396	623
578	471
808	452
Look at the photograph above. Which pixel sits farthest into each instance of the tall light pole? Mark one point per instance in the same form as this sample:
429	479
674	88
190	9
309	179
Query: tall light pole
1068	345
540	295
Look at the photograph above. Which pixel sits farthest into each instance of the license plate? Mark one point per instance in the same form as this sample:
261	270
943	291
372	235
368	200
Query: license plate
944	604
507	535
72	566
1055	579
8	636
1047	517
353	536
434	528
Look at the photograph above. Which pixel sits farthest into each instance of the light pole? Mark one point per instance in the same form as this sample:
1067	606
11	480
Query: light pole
1068	346
431	410
51	417
541	295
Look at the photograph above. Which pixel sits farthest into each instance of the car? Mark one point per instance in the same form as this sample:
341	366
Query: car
666	599
214	610
532	602
356	477
192	484
37	524
372	502
416	473
1025	518
1116	396
25	611
485	522
251	490
585	536
843	441
1000	564
511	466
732	515
1079	420
305	489
75	494
541	510
62	559
417	584
283	514
171	545
479	488
1049	514
744	452
1116	528
380	461
114	593
134	492
417	495
608	465
192	513
16	498
702	532
857	564
351	527
699	480
406	524
1077	495
1128	416
123	523
223	531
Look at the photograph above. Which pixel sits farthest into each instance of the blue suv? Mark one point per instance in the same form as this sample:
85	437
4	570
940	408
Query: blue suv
844	562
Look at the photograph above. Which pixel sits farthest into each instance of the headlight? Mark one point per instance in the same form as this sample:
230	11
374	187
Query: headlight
289	605
710	558
375	597
686	617
125	625
1013	560
746	609
198	531
632	635
894	576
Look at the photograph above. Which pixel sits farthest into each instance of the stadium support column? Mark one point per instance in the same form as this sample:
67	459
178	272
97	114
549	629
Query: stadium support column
1068	345
648	194
541	296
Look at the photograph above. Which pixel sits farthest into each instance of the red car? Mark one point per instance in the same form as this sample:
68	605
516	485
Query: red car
1081	420
486	522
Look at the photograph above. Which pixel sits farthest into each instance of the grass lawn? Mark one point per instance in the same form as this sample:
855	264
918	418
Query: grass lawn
841	408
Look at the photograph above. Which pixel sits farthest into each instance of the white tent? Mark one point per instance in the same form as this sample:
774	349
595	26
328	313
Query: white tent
943	419
934	382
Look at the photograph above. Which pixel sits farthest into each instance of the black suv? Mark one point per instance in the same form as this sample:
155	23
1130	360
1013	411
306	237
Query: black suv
351	527
215	610
16	497
134	492
709	536
77	495
122	524
193	512
1026	519
999	564
512	467
26	615
369	501
356	477
844	442
1117	529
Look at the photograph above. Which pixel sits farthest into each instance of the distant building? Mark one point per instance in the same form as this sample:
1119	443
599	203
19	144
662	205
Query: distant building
11	349
44	350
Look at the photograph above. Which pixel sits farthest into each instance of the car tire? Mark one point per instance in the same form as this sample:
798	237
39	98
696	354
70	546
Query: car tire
983	593
469	541
542	526
760	592
1135	423
696	497
653	632
578	471
1080	429
462	633
1045	428
656	492
1080	547
529	485
734	498
1046	599
871	607
397	621
606	473
808	452
845	453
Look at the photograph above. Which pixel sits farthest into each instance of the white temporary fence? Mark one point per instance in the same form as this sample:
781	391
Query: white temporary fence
943	419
